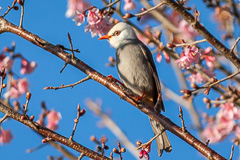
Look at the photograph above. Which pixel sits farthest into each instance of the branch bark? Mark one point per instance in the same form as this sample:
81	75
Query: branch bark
6	26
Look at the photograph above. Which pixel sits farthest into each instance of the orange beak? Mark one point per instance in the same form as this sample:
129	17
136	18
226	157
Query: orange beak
104	37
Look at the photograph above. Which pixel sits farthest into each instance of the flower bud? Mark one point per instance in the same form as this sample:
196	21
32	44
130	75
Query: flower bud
115	150
206	100
16	8
139	143
122	150
20	2
4	85
127	16
171	45
28	95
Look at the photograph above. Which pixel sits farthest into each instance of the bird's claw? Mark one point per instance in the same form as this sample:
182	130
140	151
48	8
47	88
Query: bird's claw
116	80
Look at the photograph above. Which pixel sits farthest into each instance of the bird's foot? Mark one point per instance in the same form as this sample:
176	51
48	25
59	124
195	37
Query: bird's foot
137	98
116	80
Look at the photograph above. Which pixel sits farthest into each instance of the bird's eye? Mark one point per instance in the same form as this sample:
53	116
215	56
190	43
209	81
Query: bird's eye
117	33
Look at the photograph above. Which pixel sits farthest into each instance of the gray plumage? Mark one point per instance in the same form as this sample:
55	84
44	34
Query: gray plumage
137	71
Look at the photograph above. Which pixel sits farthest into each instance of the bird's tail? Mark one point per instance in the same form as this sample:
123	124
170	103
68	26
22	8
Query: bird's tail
163	142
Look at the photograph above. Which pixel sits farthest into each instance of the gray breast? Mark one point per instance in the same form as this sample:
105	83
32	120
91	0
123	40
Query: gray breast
133	69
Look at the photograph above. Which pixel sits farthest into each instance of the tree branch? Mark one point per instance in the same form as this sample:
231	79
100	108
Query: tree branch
203	31
48	133
6	26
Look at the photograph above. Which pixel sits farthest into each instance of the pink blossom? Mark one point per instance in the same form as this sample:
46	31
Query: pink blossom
209	59
184	62
229	111
53	118
27	67
166	56
79	18
97	24
196	78
224	123
17	88
145	152
199	77
5	62
193	53
5	136
159	57
189	56
129	5
76	6
211	133
22	85
187	31
237	131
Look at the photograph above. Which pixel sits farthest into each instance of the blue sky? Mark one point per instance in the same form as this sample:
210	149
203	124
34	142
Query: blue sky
47	19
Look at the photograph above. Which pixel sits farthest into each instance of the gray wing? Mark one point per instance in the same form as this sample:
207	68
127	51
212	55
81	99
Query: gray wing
148	55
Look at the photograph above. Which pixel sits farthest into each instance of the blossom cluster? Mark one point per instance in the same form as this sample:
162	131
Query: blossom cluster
224	124
97	22
190	55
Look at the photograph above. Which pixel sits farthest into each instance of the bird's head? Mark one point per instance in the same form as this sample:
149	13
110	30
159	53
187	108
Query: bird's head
120	34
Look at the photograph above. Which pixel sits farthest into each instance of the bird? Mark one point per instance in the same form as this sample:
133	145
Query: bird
137	71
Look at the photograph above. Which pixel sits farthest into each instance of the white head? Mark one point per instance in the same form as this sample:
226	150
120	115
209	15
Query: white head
120	34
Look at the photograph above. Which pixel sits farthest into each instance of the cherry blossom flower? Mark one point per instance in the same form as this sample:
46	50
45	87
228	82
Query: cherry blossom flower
166	56
187	30
229	111
199	78
17	88
97	24
159	57
27	67
5	62
209	59
129	5
22	85
145	152
53	118
189	56
76	6
184	62
79	18
224	124
211	133
5	136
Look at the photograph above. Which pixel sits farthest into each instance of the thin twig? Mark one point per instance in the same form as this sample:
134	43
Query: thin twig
36	148
182	120
149	10
22	13
25	106
70	41
13	5
3	119
70	85
110	4
191	43
150	141
64	67
209	85
231	155
79	114
81	156
234	45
